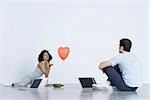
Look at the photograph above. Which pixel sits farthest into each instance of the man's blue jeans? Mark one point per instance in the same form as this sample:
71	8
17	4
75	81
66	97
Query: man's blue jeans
115	77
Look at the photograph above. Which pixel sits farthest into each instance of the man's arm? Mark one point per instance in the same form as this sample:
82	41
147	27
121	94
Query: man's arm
104	64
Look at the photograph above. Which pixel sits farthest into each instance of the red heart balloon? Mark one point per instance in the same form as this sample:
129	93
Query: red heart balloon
63	52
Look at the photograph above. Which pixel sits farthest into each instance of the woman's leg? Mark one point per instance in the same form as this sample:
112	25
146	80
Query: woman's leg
24	82
116	79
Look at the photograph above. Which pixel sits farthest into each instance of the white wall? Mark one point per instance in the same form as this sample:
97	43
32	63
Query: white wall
148	6
90	28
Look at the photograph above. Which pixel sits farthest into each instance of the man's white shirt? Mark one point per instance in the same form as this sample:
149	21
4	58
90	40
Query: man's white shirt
131	68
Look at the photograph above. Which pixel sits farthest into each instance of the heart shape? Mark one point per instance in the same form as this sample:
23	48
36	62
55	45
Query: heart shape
63	52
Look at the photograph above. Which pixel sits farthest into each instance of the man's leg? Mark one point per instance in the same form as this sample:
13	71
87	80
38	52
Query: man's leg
116	67
116	79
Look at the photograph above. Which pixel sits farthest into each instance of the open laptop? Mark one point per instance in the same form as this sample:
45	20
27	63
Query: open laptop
36	83
87	82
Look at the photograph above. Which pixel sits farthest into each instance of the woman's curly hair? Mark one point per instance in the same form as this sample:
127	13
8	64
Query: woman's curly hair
40	58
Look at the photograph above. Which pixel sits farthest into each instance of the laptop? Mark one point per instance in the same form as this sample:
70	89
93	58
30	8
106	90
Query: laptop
87	82
36	83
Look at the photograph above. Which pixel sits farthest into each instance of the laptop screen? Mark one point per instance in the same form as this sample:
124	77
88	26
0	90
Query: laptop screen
36	83
87	82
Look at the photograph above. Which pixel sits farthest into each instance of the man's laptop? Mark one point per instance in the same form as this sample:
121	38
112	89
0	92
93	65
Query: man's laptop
87	82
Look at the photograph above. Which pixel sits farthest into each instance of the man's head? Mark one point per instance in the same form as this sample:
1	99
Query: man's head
125	45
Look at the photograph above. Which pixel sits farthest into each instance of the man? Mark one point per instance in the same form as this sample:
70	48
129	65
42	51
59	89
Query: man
123	70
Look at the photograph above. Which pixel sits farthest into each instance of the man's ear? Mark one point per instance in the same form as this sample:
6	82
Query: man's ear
122	48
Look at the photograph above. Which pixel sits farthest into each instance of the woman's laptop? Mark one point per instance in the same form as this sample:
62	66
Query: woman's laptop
87	82
36	83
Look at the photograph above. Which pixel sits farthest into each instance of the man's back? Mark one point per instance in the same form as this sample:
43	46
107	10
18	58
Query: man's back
130	67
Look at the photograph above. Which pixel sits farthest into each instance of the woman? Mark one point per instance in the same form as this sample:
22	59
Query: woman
43	67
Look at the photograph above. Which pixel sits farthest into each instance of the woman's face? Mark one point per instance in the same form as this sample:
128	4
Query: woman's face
46	56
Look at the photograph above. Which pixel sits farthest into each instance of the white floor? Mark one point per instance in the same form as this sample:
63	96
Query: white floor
71	92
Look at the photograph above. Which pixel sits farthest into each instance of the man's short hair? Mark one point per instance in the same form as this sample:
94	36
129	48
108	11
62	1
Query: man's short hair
126	43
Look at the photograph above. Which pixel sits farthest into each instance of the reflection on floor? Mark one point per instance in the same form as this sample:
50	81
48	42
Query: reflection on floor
72	92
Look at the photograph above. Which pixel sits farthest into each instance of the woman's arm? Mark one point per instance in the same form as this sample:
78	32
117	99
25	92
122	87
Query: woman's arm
44	69
48	69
